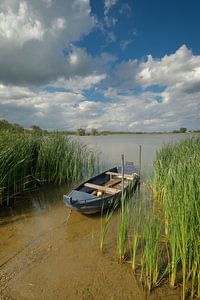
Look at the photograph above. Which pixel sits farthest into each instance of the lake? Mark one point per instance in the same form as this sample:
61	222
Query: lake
49	252
111	147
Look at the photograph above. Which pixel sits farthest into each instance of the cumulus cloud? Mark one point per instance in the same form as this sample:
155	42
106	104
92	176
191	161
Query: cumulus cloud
20	26
78	83
149	94
33	34
179	68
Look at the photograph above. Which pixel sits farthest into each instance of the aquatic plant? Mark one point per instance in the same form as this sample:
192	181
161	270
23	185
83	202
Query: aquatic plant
177	193
104	221
151	250
29	159
124	226
135	231
16	161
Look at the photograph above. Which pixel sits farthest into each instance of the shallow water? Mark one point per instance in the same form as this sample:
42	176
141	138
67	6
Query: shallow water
48	252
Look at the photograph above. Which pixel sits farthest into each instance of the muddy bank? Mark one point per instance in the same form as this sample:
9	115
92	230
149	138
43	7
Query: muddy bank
48	252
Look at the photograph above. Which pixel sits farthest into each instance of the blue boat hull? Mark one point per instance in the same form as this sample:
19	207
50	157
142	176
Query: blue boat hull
82	199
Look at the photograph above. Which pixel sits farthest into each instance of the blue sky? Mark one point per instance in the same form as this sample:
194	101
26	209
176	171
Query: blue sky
105	64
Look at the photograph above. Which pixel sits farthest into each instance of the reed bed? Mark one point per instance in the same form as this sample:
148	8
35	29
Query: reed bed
164	230
176	208
27	160
177	195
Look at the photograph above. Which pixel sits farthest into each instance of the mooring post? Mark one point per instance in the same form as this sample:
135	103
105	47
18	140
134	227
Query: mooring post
122	175
140	167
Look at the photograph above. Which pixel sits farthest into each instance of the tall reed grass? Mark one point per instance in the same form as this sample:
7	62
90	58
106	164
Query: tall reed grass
177	193
29	159
166	230
124	226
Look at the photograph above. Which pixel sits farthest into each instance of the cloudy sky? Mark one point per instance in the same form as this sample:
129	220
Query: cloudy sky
106	64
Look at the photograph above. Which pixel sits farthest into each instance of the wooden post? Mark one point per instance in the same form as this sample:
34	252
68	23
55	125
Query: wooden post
122	175
140	167
140	160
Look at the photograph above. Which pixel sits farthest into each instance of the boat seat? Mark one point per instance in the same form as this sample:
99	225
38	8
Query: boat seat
112	182
126	176
107	190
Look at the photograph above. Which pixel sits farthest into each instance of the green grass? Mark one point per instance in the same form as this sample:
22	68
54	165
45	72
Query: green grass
165	227
28	159
177	186
124	226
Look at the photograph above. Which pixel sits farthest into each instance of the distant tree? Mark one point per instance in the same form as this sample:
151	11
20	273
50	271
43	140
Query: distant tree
4	124
94	131
36	128
17	127
81	131
183	129
14	127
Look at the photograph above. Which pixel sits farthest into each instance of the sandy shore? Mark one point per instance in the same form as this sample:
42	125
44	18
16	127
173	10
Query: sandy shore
54	254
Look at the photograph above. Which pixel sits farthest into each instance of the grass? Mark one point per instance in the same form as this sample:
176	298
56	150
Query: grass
177	186
28	159
124	225
135	232
105	219
166	229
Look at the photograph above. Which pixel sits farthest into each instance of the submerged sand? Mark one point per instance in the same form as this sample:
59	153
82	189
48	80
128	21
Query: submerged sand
52	253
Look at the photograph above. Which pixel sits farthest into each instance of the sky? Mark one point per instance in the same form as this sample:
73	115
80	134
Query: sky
119	65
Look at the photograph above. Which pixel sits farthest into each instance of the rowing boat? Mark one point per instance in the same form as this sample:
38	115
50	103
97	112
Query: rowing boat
103	190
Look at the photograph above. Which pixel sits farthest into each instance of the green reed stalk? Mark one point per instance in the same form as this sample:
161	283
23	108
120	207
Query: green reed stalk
105	223
135	239
28	159
177	185
124	225
151	250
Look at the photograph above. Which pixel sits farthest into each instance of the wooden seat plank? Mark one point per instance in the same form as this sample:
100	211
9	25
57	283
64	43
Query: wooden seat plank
112	182
105	189
127	176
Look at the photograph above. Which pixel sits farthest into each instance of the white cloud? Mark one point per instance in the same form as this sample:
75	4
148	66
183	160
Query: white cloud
180	68
20	26
33	35
108	4
78	83
141	106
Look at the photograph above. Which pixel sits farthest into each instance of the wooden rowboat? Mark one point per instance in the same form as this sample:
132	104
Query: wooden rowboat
102	190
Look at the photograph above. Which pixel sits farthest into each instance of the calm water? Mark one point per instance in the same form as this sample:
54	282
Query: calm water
111	147
40	226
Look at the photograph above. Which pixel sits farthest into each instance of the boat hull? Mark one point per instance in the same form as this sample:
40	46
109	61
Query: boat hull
82	200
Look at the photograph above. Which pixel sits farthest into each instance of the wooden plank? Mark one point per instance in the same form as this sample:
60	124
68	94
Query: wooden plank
112	182
127	176
105	189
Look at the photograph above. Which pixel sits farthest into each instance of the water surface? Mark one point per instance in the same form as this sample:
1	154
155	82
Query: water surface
48	252
111	147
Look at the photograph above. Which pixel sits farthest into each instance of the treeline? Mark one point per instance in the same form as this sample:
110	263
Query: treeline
14	127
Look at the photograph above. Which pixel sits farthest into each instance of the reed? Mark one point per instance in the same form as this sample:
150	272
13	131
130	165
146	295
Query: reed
28	159
104	223
151	250
135	231
124	226
177	186
15	164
